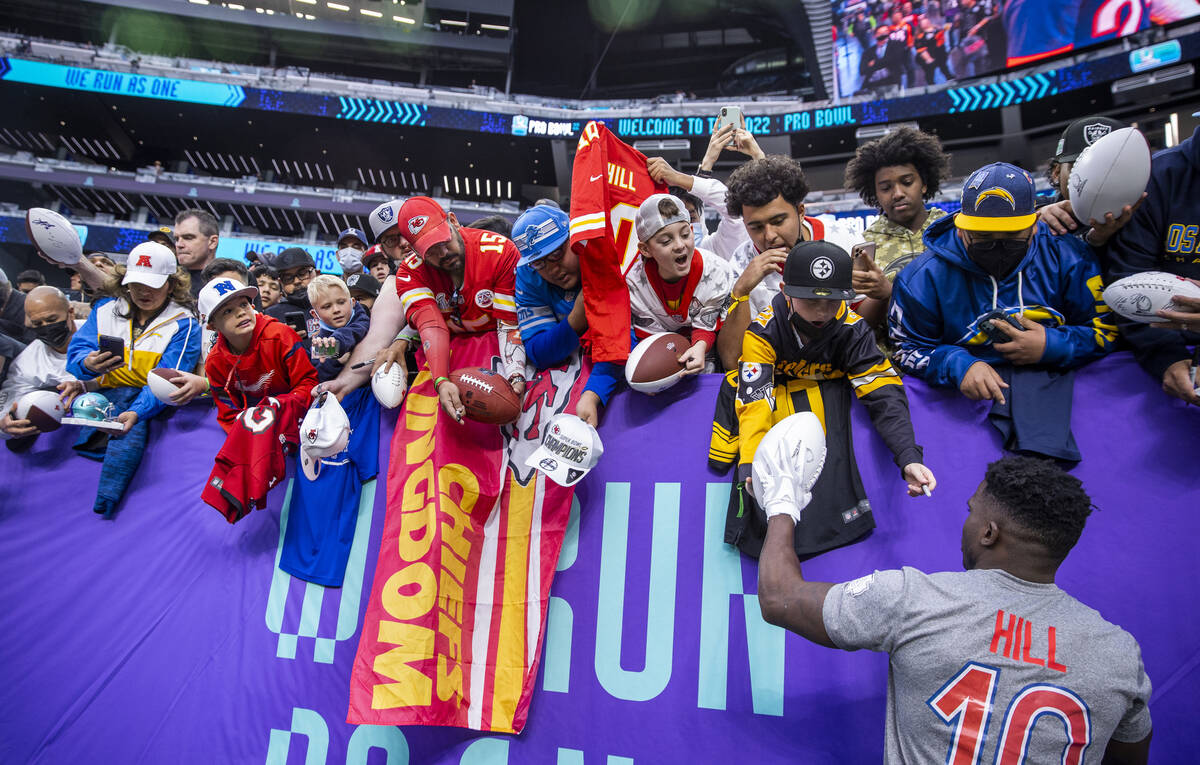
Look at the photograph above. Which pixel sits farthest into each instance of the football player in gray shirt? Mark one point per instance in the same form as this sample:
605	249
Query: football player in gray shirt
993	664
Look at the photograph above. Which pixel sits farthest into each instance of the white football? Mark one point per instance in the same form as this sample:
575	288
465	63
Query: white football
53	236
388	384
161	385
653	365
43	408
1109	174
1140	297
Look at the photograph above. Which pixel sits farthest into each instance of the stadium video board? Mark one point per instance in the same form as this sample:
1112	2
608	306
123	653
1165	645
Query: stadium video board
882	45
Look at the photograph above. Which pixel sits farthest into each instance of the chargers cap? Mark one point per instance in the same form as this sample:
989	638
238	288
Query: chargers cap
570	448
998	197
151	264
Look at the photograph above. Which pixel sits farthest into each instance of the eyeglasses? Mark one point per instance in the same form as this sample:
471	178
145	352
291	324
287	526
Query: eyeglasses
300	275
541	263
391	240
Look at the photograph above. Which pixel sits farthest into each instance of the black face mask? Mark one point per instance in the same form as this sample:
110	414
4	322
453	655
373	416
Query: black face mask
997	257
54	335
809	330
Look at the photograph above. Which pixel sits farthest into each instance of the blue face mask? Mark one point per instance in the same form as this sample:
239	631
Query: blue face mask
698	232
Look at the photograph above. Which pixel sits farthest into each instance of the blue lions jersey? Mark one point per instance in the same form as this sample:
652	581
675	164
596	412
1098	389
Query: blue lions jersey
542	310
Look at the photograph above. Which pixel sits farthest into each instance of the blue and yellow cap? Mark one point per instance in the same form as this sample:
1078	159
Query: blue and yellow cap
998	197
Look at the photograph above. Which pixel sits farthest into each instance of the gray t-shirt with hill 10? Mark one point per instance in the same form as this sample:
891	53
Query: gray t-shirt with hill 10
982	661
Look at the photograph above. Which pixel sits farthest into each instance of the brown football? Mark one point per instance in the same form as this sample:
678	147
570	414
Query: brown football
486	396
654	365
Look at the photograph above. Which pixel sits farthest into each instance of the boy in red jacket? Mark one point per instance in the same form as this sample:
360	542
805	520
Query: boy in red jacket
261	380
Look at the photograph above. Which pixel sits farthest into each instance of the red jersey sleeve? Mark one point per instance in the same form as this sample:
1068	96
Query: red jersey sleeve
413	287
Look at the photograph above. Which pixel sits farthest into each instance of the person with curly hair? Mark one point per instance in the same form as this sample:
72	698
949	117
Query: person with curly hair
896	174
1001	635
768	195
148	305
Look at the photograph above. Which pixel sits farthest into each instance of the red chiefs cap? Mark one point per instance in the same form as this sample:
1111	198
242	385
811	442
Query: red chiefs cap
423	223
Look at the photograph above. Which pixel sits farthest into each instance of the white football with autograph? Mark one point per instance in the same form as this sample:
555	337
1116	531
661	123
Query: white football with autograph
1141	296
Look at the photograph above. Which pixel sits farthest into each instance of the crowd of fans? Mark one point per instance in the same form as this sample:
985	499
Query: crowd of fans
1000	301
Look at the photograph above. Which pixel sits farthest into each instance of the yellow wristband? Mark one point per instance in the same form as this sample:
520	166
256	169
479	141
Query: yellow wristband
736	301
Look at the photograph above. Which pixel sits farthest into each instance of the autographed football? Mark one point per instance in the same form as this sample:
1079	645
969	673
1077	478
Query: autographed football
1141	296
53	236
654	366
43	409
486	396
388	384
162	384
1109	174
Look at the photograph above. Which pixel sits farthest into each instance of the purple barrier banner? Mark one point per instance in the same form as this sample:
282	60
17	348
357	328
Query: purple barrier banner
169	636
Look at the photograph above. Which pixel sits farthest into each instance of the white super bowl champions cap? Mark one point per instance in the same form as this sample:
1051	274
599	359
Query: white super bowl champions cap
570	448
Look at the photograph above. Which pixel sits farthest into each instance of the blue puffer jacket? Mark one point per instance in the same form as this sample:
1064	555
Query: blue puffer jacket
940	298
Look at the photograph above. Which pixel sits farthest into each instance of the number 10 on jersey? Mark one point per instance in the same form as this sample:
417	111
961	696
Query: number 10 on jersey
966	703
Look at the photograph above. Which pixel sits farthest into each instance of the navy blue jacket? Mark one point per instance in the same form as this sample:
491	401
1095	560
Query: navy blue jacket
1162	235
940	298
348	336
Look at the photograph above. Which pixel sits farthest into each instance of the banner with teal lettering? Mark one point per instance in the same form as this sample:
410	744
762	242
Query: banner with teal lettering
167	635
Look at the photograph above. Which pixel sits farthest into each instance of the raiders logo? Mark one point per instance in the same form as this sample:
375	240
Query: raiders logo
417	223
1095	131
483	298
386	214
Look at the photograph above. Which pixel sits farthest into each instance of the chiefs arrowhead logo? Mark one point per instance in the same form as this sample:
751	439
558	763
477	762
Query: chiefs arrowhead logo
417	223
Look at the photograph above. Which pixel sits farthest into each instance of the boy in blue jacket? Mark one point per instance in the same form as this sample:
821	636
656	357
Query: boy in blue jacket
550	304
995	291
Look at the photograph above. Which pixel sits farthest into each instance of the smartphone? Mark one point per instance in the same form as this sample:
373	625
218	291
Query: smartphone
296	321
113	345
730	115
988	327
863	248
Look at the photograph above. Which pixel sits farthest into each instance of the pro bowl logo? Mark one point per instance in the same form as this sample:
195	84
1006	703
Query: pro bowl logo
520	124
483	298
822	268
415	224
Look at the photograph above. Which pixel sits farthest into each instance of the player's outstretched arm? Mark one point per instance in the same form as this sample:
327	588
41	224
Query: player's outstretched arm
1126	753
785	597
